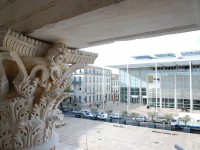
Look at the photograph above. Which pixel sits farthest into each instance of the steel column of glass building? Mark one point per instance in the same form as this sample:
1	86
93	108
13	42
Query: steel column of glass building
167	83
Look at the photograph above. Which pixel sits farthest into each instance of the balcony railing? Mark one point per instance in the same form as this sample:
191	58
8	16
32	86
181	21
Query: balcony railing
76	82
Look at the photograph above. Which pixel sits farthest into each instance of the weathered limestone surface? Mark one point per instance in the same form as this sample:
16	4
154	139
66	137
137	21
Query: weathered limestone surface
31	88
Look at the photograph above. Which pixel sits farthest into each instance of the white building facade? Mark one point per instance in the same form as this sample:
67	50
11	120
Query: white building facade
91	85
162	81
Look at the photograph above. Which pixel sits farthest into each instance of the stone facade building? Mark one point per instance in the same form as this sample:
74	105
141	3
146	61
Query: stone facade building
91	85
115	87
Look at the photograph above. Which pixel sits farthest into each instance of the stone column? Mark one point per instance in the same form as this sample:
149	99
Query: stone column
31	88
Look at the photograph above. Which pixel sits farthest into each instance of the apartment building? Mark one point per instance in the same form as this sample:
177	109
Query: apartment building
91	85
115	87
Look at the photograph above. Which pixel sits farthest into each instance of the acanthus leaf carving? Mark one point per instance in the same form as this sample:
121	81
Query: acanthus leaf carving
44	109
6	139
26	88
50	129
28	110
4	114
28	134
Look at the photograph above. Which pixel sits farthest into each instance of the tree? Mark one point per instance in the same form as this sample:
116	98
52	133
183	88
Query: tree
94	110
134	114
185	119
151	114
108	112
78	107
124	113
168	117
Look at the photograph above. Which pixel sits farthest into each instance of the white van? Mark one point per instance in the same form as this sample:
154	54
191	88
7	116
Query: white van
194	123
103	116
115	116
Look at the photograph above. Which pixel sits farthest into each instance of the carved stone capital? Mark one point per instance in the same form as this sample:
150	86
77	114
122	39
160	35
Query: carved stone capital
31	88
22	45
59	54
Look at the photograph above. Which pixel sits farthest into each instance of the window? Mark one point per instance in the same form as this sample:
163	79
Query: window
89	98
79	99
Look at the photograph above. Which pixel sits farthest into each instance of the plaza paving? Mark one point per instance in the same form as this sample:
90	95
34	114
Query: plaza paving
82	134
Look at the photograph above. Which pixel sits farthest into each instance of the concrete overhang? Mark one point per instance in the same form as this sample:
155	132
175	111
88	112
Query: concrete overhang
86	23
159	62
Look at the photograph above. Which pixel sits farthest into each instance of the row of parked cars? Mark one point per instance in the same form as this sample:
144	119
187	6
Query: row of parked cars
97	115
104	116
156	119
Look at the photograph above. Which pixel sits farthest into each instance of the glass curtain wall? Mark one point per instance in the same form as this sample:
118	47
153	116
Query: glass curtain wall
196	87
135	86
123	85
168	88
173	86
151	87
183	88
138	84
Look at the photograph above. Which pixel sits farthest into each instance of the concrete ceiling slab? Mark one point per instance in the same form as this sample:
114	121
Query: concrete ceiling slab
88	23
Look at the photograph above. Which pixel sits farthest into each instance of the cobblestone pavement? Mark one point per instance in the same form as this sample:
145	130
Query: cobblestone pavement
82	134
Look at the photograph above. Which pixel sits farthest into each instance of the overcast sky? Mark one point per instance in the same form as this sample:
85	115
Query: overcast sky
121	52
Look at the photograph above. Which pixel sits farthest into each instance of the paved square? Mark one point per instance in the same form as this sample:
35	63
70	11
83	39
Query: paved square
82	134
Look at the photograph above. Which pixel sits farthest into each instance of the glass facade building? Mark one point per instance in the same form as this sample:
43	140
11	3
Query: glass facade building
169	83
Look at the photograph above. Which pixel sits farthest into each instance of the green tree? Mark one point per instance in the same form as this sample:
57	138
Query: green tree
134	114
94	110
124	113
185	119
108	112
151	114
168	117
78	107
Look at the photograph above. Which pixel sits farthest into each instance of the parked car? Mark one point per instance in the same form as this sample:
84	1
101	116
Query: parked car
140	119
126	120
103	116
76	111
98	114
115	116
159	119
88	115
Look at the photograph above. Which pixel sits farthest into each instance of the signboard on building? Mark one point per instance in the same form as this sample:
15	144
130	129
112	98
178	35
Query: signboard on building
153	82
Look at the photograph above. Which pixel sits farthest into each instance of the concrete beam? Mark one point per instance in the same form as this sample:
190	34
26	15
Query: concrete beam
26	16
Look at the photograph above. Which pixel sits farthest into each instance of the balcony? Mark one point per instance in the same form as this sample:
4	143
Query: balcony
76	82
